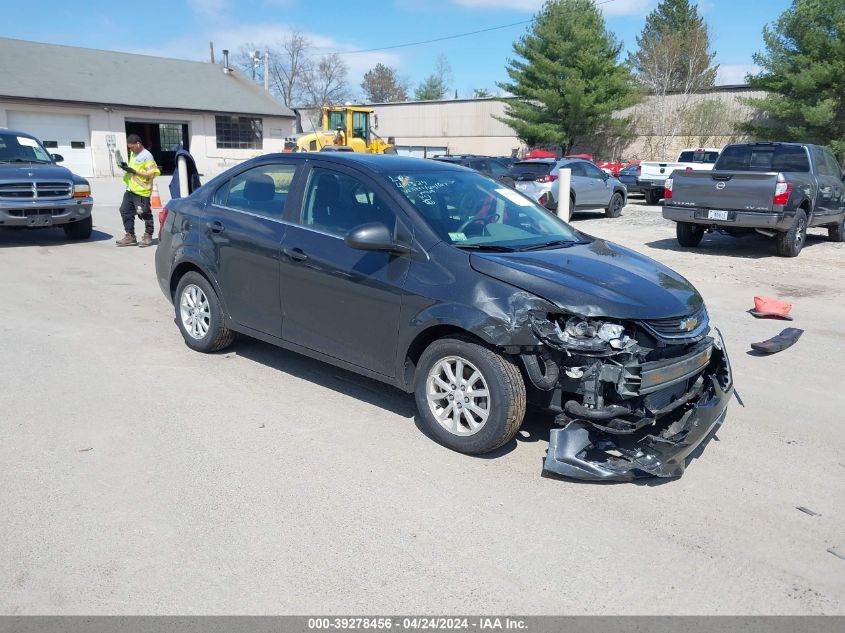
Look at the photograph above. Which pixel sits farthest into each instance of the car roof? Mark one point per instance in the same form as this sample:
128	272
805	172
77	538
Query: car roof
4	130
378	163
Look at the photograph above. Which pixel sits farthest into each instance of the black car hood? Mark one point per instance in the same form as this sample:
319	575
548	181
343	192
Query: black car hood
35	170
595	279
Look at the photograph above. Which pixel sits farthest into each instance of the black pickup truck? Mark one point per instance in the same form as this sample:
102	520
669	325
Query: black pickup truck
777	189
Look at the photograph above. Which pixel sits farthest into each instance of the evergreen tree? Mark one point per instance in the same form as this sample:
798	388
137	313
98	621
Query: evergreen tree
674	49
566	80
803	71
436	85
673	58
382	84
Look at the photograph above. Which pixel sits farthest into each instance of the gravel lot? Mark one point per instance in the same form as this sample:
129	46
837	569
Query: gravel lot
140	477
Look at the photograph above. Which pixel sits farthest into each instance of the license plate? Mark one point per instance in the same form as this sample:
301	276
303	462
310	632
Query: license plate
40	220
717	215
521	186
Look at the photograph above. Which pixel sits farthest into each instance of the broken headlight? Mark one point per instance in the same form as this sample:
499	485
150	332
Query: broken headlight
592	336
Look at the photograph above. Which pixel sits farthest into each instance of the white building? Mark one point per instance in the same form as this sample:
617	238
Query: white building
81	103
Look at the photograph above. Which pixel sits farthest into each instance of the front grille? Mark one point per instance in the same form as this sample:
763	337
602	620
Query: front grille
29	213
54	189
16	190
38	190
680	328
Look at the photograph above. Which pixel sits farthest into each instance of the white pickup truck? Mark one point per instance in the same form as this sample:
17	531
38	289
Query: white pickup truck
654	174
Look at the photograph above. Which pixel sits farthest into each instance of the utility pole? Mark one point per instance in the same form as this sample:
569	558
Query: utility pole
267	71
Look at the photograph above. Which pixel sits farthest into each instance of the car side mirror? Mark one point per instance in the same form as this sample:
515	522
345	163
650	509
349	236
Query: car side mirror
57	158
374	237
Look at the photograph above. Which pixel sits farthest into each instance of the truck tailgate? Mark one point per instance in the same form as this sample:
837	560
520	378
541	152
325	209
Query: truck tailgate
737	191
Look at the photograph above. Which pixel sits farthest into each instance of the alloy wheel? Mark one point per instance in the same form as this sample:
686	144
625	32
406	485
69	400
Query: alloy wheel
458	396
195	311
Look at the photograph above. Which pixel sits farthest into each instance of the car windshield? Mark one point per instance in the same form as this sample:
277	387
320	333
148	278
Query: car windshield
471	211
22	149
765	158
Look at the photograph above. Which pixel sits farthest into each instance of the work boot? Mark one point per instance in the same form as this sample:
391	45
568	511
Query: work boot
128	240
146	240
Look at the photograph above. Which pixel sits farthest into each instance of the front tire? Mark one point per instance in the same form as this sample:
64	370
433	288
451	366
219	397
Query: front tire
199	315
80	230
614	209
790	243
469	397
689	234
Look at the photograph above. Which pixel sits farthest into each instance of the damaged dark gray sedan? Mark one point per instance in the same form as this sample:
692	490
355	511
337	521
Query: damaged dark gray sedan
442	282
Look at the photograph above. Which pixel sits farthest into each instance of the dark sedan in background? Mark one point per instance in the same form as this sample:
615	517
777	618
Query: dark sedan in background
440	281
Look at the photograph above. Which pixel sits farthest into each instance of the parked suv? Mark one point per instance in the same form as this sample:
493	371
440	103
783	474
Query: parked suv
443	283
590	187
36	193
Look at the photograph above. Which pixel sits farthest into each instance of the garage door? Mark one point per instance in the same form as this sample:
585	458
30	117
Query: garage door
65	134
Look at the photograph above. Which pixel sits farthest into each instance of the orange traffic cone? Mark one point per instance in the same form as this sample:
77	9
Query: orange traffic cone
155	199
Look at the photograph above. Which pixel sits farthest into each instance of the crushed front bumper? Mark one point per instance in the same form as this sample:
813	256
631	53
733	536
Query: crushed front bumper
661	449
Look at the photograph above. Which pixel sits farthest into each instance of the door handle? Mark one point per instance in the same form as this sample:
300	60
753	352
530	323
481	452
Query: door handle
295	254
216	226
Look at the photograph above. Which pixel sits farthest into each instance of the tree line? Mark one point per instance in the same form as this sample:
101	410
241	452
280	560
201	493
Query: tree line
567	82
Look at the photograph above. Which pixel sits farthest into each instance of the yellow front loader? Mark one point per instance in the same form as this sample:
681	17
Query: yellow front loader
345	127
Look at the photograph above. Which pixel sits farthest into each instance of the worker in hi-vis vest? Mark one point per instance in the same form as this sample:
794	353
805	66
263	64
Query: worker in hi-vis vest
140	173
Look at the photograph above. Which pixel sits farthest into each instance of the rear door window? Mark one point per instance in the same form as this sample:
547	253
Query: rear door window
262	190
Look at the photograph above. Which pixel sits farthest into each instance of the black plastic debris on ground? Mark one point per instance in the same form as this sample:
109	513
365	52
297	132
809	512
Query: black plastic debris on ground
778	343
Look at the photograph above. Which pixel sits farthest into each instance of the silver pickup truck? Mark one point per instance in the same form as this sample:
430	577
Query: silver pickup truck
37	193
777	189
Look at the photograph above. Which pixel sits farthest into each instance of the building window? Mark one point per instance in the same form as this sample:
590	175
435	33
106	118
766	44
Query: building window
239	132
170	136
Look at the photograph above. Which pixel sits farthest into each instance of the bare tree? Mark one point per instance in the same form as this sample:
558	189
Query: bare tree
326	83
673	61
291	63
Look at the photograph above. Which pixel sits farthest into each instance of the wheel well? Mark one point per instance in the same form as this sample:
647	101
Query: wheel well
805	205
422	341
179	272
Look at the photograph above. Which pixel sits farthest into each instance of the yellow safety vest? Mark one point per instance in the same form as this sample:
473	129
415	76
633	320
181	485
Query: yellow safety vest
141	182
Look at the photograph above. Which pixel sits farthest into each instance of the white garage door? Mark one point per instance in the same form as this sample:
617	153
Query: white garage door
65	134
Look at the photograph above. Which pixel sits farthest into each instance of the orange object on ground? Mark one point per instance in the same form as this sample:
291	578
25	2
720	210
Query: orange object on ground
155	199
769	307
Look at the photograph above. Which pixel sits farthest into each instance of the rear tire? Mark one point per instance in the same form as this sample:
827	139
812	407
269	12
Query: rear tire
689	234
836	232
80	230
790	243
614	209
199	315
483	423
652	196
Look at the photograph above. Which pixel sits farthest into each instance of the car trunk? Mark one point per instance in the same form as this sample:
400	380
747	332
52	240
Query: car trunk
746	191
